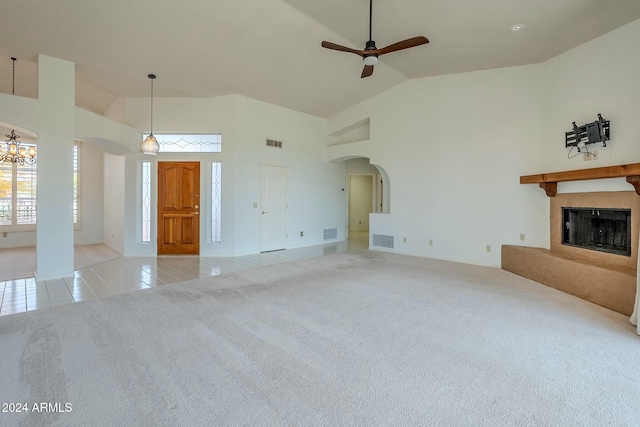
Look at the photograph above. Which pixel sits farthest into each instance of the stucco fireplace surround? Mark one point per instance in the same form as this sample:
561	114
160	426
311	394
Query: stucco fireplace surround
606	279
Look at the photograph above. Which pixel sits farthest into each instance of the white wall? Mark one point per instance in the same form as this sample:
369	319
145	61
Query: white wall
182	115
316	199
360	165
598	77
454	146
91	196
113	202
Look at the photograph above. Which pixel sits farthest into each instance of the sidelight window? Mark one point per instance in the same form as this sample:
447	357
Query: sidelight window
216	200
146	202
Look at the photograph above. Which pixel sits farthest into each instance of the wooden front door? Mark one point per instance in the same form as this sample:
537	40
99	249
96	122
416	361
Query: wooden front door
178	208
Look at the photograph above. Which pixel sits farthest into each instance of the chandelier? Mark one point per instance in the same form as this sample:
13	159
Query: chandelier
15	153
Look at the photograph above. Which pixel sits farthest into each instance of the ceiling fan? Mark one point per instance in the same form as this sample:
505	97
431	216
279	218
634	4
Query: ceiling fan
371	53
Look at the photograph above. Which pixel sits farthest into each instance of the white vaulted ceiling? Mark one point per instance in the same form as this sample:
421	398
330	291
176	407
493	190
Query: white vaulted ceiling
270	49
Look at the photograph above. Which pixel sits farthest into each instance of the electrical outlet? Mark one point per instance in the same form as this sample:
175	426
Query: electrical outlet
521	236
405	240
590	155
302	234
430	242
488	248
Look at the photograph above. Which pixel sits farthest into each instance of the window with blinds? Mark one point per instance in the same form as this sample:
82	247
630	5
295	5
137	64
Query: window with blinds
76	183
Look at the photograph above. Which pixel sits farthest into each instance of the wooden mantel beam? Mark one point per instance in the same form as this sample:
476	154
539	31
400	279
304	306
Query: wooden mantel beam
549	181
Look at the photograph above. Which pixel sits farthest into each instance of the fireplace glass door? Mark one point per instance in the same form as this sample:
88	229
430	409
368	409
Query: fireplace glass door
605	230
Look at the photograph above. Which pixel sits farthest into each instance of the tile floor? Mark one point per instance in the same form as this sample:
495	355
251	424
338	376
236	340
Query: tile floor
133	273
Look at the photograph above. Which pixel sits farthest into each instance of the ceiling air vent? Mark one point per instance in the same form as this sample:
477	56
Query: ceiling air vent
274	143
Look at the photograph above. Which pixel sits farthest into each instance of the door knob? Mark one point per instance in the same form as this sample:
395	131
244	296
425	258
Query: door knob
264	212
195	213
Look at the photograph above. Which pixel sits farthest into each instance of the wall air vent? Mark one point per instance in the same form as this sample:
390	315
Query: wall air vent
383	241
274	143
330	233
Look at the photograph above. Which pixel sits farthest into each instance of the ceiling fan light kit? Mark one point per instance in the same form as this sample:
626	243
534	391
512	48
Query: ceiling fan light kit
371	53
371	60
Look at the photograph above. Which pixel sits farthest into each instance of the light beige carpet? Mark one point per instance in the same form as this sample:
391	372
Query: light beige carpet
18	263
350	339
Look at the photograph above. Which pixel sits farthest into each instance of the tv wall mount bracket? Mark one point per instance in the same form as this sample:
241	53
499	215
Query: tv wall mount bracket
590	133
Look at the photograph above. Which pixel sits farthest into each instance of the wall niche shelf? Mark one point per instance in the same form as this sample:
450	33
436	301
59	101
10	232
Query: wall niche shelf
549	181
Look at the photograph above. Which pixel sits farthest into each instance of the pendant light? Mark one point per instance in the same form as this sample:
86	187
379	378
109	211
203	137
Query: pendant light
150	144
15	153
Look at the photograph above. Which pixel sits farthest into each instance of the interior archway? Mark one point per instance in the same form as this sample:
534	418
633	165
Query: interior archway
367	193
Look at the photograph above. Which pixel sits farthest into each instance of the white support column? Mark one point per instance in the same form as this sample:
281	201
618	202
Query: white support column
56	130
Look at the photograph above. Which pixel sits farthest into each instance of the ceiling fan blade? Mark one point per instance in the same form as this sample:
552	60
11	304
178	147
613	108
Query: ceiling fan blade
405	44
334	46
367	71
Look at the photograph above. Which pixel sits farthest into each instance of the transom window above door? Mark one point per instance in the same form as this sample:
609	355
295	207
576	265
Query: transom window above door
189	143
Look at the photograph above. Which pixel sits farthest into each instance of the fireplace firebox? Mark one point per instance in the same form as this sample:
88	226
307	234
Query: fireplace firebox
597	229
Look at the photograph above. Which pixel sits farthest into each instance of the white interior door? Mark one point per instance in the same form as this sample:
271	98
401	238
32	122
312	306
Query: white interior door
273	208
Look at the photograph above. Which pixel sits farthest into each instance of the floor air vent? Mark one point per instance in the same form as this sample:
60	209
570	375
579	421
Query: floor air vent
383	241
330	233
274	143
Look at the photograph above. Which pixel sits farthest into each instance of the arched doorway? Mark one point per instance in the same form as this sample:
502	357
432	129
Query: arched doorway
367	194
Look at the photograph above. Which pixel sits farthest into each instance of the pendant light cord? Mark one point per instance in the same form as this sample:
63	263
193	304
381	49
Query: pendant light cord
151	106
13	87
152	77
370	17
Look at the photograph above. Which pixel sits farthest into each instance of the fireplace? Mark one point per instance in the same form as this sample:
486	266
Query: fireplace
597	229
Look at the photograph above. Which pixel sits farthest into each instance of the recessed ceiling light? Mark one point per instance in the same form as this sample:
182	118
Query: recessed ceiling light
517	27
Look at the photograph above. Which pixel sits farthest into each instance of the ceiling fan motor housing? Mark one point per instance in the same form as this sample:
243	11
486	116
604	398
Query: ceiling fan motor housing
371	59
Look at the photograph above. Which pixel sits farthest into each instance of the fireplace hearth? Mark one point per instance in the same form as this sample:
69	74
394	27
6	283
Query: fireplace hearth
597	229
